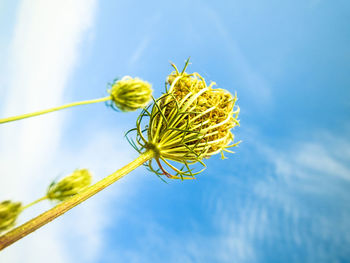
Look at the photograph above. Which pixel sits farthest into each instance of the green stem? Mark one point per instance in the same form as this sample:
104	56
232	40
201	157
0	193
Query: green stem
39	221
28	115
35	202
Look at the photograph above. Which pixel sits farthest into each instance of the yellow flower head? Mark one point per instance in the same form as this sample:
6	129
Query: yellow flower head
130	94
191	121
9	212
69	185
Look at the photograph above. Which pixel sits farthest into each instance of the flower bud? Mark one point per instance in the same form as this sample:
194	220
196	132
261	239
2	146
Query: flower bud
130	94
69	185
9	212
191	121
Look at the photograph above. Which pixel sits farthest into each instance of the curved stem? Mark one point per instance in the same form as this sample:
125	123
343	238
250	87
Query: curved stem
28	115
35	202
39	221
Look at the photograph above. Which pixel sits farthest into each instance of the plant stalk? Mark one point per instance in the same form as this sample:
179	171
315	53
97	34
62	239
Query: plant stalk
35	202
28	115
39	221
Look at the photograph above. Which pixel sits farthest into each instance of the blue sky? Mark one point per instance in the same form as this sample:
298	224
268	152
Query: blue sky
283	197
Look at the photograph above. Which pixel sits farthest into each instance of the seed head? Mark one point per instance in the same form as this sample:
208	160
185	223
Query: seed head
191	121
9	212
130	94
69	185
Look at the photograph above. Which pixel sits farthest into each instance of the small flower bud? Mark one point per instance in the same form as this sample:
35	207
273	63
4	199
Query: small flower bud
130	94
69	185
9	212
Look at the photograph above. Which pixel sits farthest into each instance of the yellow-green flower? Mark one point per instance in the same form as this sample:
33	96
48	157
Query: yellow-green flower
130	94
9	212
191	121
69	185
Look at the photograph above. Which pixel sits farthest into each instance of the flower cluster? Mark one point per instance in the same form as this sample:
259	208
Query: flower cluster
191	121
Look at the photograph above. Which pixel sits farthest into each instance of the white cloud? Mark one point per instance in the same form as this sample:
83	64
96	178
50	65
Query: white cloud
44	53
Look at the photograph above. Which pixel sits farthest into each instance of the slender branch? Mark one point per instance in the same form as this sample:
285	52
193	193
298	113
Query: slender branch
28	115
39	221
35	202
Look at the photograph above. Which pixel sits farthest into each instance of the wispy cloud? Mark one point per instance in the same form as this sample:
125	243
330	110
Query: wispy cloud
140	49
44	53
309	190
145	39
